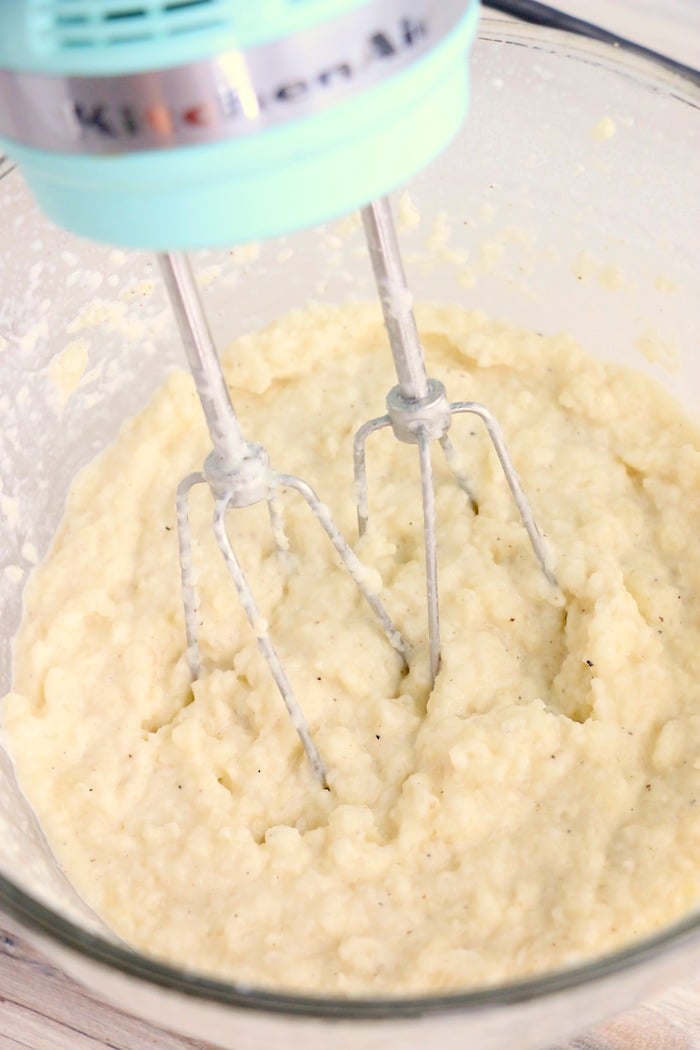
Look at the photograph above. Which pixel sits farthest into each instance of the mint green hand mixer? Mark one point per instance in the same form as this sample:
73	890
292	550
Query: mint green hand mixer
180	124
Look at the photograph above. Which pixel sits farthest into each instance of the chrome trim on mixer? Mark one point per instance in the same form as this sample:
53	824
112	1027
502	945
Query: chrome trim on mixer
228	95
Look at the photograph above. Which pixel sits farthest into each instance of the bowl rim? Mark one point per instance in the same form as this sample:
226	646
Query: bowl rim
34	917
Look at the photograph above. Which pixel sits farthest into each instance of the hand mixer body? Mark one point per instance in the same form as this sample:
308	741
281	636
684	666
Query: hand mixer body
171	124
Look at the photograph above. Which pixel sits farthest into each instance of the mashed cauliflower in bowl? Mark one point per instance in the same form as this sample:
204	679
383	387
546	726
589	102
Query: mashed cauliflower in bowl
538	808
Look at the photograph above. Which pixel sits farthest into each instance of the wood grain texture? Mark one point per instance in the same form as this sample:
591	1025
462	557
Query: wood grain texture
42	1009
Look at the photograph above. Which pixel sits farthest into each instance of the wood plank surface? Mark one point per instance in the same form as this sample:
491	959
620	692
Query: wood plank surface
42	1009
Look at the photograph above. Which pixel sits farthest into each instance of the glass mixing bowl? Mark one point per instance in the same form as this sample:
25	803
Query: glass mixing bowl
569	202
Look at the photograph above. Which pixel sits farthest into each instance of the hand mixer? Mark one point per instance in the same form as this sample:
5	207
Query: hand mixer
173	125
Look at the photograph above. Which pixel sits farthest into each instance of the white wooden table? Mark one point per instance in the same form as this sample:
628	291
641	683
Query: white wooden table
42	1009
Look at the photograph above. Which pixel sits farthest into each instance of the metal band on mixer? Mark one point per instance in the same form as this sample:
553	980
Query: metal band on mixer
229	95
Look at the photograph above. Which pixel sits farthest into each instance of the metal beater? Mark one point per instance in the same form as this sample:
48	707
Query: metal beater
419	413
239	474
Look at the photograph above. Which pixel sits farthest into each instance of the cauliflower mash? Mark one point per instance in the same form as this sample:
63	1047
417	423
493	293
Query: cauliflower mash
537	808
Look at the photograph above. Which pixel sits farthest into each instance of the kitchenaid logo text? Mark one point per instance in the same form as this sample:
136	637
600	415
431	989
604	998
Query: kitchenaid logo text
234	93
232	96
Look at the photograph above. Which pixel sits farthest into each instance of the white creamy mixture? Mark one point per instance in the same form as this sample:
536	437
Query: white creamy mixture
541	806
